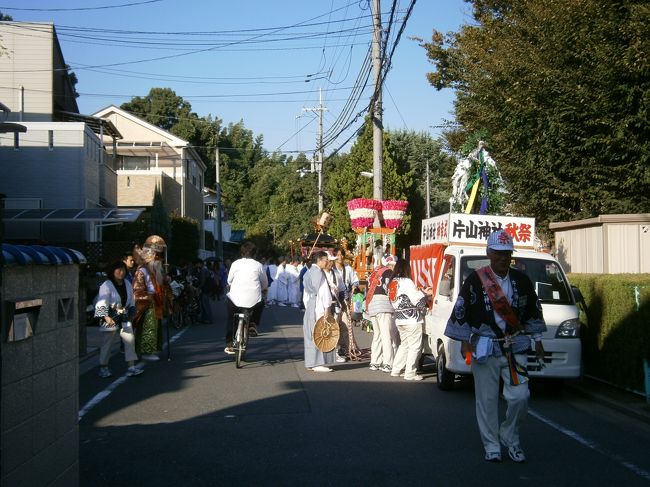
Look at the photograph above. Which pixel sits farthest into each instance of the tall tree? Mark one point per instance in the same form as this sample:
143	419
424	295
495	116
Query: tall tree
344	182
159	223
413	150
562	90
161	107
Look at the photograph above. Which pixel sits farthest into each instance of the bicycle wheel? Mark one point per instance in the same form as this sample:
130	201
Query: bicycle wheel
241	338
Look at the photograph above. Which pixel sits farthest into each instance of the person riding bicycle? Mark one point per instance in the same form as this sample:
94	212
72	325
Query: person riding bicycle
247	285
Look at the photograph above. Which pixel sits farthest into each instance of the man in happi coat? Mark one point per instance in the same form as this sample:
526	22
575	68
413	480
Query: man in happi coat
496	315
318	302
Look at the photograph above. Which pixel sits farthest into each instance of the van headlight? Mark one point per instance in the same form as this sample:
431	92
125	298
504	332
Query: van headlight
569	329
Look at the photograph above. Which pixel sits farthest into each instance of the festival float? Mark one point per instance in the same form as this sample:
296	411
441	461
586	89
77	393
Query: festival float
374	221
317	240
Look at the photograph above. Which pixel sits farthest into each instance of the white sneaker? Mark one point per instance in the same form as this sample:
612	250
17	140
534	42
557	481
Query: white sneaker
104	372
133	371
295	306
516	454
375	367
415	377
151	357
321	368
341	359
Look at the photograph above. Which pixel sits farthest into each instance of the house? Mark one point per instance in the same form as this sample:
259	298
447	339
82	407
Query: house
147	157
56	168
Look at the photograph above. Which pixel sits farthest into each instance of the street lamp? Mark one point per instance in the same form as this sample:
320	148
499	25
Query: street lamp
367	174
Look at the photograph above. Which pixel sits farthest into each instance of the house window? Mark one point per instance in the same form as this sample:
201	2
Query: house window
137	163
50	139
16	141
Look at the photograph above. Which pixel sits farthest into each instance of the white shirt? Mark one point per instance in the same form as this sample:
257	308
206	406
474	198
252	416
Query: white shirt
247	280
506	287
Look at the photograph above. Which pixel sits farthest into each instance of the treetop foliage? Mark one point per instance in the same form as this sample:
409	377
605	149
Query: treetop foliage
264	193
562	91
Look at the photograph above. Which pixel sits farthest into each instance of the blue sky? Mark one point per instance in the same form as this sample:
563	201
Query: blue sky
255	59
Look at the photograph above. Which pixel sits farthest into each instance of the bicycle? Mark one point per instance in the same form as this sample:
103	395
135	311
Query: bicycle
240	340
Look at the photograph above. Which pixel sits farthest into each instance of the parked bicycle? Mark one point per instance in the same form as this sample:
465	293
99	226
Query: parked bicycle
185	306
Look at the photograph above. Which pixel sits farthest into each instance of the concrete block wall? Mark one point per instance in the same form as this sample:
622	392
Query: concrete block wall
40	385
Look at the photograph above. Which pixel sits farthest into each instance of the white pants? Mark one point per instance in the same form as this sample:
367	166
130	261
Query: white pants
384	339
409	350
486	390
107	342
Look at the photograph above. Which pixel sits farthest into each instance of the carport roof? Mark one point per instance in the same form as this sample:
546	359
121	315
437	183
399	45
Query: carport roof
73	215
107	127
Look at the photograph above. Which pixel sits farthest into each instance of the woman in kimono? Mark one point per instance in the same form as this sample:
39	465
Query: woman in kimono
318	297
149	301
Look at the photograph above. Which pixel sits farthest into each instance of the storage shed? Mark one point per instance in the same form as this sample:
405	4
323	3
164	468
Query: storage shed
606	244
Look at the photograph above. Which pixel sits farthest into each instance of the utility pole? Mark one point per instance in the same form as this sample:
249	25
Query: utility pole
377	124
217	216
428	193
319	148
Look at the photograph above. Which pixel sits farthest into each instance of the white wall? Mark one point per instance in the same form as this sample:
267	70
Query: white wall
27	61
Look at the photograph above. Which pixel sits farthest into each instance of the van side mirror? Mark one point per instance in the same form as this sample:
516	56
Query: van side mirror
445	288
577	294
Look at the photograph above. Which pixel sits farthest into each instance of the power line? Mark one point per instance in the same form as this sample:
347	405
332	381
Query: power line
296	133
207	49
72	9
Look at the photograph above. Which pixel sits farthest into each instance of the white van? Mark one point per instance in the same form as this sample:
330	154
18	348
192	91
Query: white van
563	349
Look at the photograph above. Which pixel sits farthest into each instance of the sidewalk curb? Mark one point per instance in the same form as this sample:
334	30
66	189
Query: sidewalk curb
641	413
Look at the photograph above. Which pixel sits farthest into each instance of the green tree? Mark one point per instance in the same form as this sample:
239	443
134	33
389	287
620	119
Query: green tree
185	240
5	17
413	150
161	107
344	182
562	88
159	223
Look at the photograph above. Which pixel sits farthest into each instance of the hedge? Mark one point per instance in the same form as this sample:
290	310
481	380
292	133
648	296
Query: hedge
616	336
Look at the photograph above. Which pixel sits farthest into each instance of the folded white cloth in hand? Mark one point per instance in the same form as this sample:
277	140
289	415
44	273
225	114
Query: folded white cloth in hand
483	349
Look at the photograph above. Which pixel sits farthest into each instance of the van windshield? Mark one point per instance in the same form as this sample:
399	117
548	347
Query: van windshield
548	279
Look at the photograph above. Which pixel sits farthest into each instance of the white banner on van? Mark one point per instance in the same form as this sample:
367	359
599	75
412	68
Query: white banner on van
461	228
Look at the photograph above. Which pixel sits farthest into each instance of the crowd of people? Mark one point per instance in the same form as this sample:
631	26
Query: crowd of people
496	315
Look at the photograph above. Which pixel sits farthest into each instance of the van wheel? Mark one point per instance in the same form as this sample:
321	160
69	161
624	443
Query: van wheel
445	376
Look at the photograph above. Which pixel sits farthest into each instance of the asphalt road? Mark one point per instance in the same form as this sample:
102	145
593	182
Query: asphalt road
198	421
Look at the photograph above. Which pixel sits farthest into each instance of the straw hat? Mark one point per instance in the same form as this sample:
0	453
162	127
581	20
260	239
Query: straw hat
326	334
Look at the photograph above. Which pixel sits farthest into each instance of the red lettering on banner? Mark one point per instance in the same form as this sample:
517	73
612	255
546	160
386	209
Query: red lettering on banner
524	233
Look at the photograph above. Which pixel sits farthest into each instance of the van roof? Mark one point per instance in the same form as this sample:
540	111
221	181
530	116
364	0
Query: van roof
480	250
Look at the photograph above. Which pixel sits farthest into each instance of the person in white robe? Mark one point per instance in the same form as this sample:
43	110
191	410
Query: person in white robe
293	283
272	271
282	291
318	301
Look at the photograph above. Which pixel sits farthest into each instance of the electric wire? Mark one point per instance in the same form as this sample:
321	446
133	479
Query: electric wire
74	9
